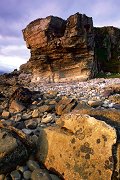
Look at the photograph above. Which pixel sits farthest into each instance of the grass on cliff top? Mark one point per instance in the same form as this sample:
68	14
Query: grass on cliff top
108	75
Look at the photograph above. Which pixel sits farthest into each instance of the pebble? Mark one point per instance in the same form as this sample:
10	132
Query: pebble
40	174
27	174
47	118
31	124
32	165
27	131
15	175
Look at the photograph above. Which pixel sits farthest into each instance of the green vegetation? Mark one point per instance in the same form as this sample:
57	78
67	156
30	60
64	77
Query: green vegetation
108	75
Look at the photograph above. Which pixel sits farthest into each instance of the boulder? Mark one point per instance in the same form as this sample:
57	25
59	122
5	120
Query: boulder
79	148
22	95
65	105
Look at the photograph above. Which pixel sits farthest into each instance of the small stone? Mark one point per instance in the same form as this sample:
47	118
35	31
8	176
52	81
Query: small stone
15	175
22	168
27	131
93	103
110	105
32	165
31	124
26	116
116	106
17	117
27	174
44	108
6	114
48	118
40	174
35	113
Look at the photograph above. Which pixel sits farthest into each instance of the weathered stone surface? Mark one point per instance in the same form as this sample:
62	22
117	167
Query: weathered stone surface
80	149
111	116
60	50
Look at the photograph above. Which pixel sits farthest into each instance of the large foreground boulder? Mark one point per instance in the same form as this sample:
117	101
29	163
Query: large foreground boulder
79	148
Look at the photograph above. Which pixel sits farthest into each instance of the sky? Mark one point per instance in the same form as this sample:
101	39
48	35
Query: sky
15	15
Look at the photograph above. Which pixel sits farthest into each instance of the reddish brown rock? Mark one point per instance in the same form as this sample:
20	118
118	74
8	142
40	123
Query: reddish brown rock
72	49
60	50
65	105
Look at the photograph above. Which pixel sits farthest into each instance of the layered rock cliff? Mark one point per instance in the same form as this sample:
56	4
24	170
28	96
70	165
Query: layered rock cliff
72	49
60	50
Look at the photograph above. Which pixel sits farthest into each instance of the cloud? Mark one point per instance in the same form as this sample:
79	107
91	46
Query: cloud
11	62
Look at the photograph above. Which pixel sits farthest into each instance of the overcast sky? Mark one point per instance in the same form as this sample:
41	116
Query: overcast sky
16	14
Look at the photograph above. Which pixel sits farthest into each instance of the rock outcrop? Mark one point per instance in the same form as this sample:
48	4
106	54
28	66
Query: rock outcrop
60	50
107	49
72	49
80	149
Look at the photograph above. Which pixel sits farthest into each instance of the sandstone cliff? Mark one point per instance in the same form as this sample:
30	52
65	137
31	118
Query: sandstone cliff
72	49
60	50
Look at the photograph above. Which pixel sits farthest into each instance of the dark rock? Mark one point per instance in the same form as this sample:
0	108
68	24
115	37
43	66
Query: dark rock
107	48
22	95
31	124
12	151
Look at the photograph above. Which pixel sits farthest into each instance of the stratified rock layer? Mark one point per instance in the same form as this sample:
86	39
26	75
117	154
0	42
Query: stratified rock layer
80	149
72	49
60	50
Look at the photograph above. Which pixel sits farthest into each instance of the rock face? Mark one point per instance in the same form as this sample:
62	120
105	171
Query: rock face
60	50
79	148
72	49
107	48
